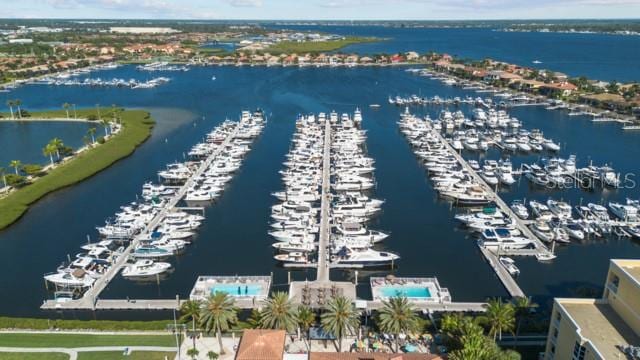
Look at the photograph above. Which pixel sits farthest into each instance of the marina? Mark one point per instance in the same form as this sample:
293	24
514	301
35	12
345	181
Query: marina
90	273
399	217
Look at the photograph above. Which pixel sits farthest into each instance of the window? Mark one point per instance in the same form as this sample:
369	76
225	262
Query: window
578	352
558	316
555	333
614	282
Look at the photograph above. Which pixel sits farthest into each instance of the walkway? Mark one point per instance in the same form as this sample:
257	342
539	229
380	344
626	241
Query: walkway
323	241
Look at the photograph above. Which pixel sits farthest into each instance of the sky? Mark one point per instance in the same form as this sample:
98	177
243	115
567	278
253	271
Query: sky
321	9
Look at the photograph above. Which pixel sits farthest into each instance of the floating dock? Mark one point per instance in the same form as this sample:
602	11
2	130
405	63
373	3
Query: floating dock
325	231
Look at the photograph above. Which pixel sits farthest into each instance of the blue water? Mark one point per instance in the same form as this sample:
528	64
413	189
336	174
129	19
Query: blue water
410	292
238	289
597	56
24	141
233	240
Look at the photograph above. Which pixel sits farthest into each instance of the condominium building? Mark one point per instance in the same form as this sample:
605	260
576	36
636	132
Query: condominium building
586	329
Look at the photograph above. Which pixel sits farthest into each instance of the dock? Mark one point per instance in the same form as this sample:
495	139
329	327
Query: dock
507	280
540	248
89	300
437	307
325	233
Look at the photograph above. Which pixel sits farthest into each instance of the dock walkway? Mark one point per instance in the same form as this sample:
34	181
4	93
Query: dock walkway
504	276
89	299
324	234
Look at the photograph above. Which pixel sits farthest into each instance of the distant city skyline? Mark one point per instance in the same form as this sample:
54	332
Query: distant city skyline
322	10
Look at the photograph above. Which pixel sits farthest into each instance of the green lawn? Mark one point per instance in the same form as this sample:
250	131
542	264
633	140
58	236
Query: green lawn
289	47
137	128
104	325
83	340
33	356
135	355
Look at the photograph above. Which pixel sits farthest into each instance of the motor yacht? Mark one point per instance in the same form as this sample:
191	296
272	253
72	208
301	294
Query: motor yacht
145	268
510	265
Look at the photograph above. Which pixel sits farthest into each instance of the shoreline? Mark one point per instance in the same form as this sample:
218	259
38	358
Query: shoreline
135	129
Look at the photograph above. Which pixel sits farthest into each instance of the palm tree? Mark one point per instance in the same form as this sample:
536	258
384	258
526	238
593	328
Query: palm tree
306	318
340	317
474	346
106	123
49	150
212	355
190	311
17	103
523	308
500	317
398	316
254	319
15	164
4	178
92	132
218	314
66	107
57	144
10	104
278	313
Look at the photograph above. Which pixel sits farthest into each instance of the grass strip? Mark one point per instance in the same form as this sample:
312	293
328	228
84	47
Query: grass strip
137	126
82	340
102	325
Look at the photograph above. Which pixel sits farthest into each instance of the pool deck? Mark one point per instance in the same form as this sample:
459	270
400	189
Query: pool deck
205	284
437	294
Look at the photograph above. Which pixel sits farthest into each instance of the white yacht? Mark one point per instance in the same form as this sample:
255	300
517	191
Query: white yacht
510	265
145	268
520	209
368	257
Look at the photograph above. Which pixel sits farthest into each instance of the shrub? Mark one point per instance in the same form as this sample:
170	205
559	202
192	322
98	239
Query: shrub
92	117
32	169
100	140
15	180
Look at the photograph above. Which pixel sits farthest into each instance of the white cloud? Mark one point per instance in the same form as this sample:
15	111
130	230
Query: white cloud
244	3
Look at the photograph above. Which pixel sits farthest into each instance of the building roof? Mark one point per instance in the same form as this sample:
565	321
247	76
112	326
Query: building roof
601	325
631	267
259	344
370	356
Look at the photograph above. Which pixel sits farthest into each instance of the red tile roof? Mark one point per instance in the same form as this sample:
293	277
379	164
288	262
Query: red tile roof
261	345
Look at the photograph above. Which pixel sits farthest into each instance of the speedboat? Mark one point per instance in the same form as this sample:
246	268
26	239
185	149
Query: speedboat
624	212
518	207
509	265
145	268
559	208
77	278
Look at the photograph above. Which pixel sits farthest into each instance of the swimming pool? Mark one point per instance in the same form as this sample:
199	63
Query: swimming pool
237	289
406	291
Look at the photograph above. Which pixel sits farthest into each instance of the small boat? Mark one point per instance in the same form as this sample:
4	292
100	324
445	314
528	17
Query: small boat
510	266
213	77
374	106
520	209
145	268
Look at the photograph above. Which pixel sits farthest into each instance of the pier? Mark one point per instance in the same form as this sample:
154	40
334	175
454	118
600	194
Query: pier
540	249
325	233
89	300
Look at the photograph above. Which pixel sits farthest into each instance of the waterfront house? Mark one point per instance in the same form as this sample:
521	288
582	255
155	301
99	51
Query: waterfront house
601	328
397	58
412	56
557	89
